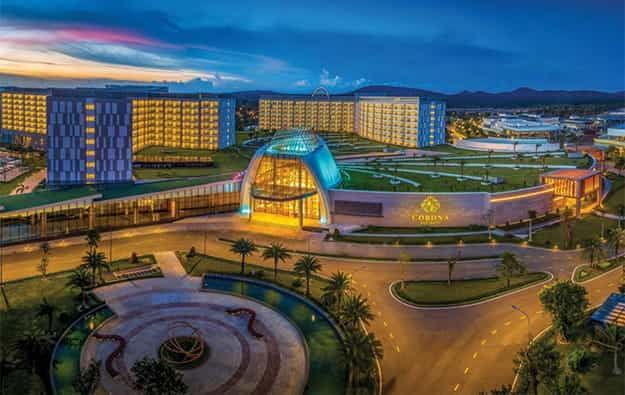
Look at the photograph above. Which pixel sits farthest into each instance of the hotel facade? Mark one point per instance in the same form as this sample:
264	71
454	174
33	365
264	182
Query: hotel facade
91	134
410	122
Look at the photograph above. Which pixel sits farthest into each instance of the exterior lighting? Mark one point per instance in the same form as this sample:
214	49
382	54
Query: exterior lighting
460	243
428	244
524	244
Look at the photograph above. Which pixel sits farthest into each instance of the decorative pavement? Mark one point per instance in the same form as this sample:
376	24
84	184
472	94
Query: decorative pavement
238	362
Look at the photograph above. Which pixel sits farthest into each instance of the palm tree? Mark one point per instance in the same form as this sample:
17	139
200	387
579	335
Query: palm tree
243	247
277	252
514	144
355	309
46	309
8	364
95	261
509	267
611	337
593	250
566	217
339	285
616	239
44	248
490	153
33	348
81	279
306	266
93	239
531	215
360	351
544	160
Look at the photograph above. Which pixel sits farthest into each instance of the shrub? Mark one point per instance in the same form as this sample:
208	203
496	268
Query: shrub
580	360
134	259
191	252
297	283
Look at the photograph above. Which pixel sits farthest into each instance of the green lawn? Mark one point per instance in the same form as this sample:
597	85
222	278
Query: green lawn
600	380
7	187
226	163
470	239
616	196
585	272
398	229
24	296
438	293
584	228
200	264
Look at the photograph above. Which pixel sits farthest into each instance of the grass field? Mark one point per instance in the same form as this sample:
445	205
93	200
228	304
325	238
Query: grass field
438	293
584	228
226	163
24	297
585	272
7	187
200	264
616	196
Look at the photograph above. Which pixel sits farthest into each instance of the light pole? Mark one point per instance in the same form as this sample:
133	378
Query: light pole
529	332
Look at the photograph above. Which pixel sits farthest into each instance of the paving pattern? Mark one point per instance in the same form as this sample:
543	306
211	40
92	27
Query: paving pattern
238	362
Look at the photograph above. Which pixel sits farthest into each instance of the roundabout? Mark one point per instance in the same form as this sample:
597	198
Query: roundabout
193	332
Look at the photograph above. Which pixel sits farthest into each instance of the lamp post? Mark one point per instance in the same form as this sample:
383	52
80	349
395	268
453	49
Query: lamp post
529	333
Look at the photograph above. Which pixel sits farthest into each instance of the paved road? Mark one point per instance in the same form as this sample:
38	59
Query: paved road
426	352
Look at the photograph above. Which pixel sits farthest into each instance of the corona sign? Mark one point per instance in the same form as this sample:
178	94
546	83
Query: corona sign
428	212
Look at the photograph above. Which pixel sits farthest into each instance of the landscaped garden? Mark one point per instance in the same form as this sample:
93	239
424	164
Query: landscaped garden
577	230
511	275
432	240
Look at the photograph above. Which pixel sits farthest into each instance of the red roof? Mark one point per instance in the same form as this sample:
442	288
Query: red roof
572	174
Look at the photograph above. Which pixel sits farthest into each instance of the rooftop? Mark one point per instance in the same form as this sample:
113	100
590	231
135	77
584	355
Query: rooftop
45	198
612	311
572	174
294	142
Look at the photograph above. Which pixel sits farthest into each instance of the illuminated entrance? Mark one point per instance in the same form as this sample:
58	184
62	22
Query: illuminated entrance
287	180
581	189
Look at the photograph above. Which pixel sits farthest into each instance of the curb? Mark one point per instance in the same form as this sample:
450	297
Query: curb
461	306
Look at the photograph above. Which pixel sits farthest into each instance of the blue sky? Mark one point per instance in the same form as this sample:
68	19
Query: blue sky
442	45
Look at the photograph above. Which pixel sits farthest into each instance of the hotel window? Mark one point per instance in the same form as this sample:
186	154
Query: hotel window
90	130
90	164
90	176
90	141
90	118
90	107
90	152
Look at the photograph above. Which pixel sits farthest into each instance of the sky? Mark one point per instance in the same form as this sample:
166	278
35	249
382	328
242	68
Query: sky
291	46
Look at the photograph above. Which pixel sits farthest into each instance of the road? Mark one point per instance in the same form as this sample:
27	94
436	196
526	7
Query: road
465	350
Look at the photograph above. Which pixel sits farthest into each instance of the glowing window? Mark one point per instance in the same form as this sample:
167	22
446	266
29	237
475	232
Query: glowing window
90	176
90	130
89	106
90	141
90	118
90	152
90	164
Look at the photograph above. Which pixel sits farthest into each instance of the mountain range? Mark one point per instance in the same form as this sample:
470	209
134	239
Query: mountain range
517	97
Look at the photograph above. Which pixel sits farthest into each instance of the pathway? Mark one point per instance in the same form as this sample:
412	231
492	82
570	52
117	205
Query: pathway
30	182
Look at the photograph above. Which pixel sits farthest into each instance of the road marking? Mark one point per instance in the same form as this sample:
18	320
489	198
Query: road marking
507	323
397	348
597	290
466	370
456	387
391	335
611	285
521	318
493	332
483	342
380	313
539	312
474	355
368	294
373	303
385	324
355	282
364	285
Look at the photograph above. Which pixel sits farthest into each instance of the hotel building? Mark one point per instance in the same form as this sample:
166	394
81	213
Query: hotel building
523	125
404	121
92	134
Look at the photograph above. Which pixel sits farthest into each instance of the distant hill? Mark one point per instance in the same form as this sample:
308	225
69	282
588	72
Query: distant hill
517	97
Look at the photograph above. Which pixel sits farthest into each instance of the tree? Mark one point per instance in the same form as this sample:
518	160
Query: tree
509	267
490	154
593	251
531	215
95	261
82	280
155	377
538	363
93	239
33	349
404	259
47	310
44	248
462	164
277	252
87	381
566	302
360	351
243	247
612	338
355	309
616	239
339	285
505	389
306	266
569	384
9	363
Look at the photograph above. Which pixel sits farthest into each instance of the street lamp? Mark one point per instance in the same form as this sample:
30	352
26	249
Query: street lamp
529	333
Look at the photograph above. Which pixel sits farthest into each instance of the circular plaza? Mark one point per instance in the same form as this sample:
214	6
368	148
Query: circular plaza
222	344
